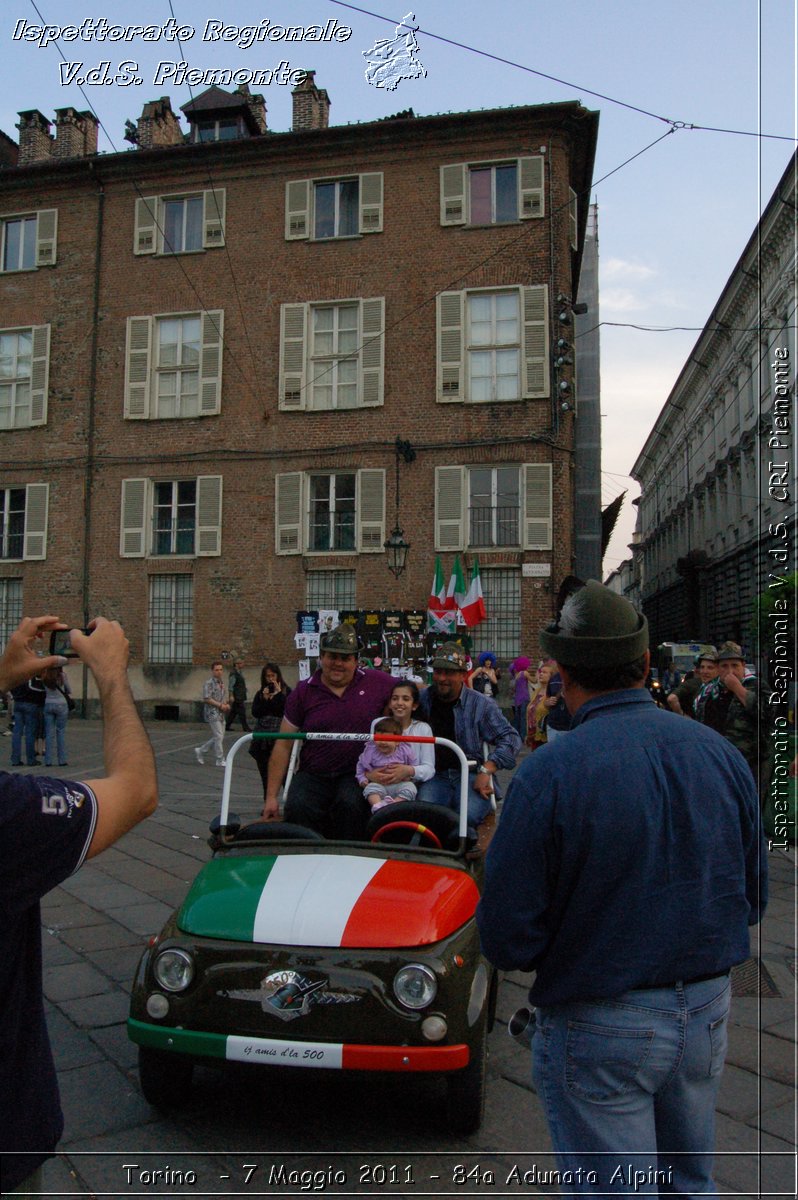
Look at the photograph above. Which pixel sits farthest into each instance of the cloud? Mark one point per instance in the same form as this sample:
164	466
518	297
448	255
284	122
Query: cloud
621	269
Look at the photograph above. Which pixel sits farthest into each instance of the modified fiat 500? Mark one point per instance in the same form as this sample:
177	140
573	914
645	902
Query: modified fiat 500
295	951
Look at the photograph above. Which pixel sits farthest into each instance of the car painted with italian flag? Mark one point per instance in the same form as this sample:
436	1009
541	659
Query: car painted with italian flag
292	951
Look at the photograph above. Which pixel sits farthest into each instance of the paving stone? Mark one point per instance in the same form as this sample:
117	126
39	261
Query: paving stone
71	1047
55	952
107	894
120	964
96	1099
764	1055
743	1095
107	936
71	915
95	1011
779	1121
73	981
145	919
114	1043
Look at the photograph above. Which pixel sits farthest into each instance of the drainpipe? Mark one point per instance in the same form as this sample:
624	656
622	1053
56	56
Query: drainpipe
90	429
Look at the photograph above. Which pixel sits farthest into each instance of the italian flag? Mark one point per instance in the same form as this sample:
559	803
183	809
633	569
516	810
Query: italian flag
437	596
472	606
455	594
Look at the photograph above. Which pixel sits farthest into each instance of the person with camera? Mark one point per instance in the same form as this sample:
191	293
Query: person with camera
268	706
48	827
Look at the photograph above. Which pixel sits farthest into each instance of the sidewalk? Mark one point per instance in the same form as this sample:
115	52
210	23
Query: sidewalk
97	922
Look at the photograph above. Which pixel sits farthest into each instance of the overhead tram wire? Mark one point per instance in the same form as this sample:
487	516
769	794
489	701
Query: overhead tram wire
177	258
508	62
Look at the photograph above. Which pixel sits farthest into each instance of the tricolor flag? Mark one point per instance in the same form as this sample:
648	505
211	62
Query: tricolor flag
437	596
472	606
456	591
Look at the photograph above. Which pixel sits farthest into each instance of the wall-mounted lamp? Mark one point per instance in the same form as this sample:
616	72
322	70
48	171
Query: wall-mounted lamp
396	548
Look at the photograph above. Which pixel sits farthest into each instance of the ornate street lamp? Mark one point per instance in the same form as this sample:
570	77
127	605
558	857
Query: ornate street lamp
396	548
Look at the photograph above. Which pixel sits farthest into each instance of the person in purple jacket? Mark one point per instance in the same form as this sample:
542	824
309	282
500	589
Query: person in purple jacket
377	756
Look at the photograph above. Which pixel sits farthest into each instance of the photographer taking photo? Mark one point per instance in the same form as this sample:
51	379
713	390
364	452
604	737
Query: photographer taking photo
48	827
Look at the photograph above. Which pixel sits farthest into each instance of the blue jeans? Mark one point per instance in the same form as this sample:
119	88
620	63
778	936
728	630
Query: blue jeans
26	721
444	789
55	723
629	1087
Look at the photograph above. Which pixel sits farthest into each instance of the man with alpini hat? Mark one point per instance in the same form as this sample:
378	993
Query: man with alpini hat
627	866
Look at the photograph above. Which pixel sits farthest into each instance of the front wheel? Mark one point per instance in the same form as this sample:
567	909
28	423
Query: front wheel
465	1090
165	1078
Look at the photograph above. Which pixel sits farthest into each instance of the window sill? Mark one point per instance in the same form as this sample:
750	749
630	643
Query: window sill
342	237
23	270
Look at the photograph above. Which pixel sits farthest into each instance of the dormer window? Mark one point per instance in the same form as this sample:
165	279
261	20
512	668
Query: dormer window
222	130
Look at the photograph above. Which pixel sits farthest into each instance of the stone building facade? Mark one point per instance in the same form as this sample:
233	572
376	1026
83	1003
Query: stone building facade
212	343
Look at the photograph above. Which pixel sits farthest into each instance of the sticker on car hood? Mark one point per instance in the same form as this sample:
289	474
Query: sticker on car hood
328	900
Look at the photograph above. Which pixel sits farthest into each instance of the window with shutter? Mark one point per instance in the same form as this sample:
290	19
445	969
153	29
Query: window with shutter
18	243
537	506
492	193
24	373
171	517
288	490
36	504
493	345
173	365
12	522
370	511
334	208
449	523
332	355
180	224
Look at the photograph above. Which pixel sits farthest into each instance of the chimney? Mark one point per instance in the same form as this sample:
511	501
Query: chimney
9	151
35	139
76	134
311	105
158	125
256	105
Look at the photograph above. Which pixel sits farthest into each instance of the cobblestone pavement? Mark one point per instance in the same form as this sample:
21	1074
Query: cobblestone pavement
384	1135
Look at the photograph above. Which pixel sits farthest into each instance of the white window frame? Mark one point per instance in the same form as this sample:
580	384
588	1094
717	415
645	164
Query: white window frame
150	221
292	512
142	369
37	381
137	517
536	522
452	360
175	621
493	508
300	214
45	239
34	537
455	189
296	378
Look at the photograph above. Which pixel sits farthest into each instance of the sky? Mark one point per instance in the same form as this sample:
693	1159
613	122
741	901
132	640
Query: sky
672	221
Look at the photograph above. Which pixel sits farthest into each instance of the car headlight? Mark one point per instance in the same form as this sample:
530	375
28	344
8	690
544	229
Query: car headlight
173	969
415	986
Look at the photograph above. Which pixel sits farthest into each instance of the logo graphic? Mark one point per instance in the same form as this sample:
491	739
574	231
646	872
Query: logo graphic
390	60
288	995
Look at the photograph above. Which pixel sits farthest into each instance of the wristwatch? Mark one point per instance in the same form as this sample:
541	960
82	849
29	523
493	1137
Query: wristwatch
483	770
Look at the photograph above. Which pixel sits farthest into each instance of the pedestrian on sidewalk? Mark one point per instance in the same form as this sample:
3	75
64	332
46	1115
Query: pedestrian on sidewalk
213	695
47	828
28	707
628	863
57	698
237	697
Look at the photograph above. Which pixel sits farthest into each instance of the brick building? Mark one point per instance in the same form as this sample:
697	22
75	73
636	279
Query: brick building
211	344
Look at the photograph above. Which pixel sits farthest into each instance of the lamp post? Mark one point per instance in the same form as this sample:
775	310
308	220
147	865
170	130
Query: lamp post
396	548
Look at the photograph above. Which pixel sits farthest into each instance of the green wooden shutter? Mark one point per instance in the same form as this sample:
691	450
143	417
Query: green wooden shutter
449	508
138	367
133	524
46	229
535	304
288	513
372	367
537	506
36	503
209	515
210	381
39	373
370	510
293	318
450	376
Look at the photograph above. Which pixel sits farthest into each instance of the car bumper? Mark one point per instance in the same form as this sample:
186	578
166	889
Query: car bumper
275	1052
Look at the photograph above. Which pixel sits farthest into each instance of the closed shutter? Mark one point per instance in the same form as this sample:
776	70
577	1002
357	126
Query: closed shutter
39	373
573	214
133	525
146	224
297	209
210	381
450	347
46	228
449	493
372	365
36	500
214	205
537	506
371	203
453	194
292	356
536	341
288	513
137	367
530	187
209	515
370	511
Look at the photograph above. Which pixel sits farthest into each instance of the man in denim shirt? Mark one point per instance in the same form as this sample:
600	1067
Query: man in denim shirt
627	866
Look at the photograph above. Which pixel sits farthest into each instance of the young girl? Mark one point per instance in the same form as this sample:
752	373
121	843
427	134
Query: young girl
538	708
403	702
373	761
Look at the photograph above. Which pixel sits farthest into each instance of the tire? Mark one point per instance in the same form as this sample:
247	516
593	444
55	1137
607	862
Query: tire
465	1090
165	1078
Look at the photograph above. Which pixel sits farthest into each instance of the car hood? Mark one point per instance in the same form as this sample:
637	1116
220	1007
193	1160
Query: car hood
327	900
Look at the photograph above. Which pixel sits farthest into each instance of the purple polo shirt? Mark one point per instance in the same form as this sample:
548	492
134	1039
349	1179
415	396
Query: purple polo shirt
312	707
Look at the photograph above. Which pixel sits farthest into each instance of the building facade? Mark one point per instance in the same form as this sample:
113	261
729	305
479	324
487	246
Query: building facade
211	346
716	519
